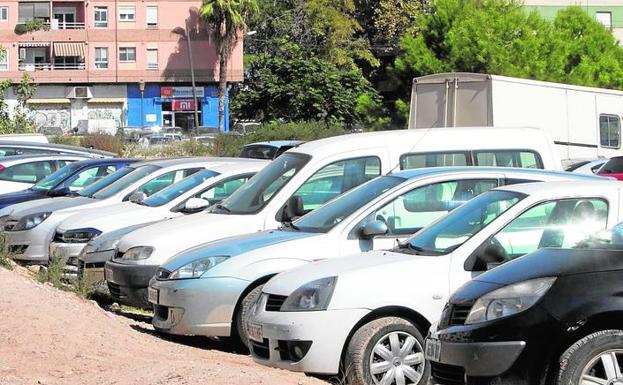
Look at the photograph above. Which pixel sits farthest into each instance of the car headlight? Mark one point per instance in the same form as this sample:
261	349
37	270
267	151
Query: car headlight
30	221
80	235
313	296
509	300
137	253
197	268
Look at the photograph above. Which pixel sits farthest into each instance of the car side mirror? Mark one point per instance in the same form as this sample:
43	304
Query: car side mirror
59	191
293	208
137	197
372	229
486	258
194	205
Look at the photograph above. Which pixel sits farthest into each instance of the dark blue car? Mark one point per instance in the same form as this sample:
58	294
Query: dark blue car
66	180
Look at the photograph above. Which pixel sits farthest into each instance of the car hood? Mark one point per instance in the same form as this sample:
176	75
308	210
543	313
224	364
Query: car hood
554	263
171	237
234	246
20	196
118	215
353	268
44	205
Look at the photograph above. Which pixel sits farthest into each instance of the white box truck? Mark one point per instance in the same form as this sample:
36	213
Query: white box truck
584	122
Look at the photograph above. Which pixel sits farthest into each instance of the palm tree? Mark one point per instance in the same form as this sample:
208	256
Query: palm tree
227	21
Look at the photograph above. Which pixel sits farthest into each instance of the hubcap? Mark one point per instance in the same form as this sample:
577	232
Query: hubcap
397	358
605	369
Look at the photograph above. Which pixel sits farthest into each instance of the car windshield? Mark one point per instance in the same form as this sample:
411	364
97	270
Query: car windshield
124	182
258	152
328	216
105	182
259	190
49	182
460	225
167	194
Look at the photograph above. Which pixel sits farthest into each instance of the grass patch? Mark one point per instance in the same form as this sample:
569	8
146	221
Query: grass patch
6	258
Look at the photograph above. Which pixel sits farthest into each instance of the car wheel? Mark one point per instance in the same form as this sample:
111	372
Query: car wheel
242	316
595	359
386	351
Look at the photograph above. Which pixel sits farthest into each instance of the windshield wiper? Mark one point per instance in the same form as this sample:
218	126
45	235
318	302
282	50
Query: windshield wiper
410	249
222	208
290	225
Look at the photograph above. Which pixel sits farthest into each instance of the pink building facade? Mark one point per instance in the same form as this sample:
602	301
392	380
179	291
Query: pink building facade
126	61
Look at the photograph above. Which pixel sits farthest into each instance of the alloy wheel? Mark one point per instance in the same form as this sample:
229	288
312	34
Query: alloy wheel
397	358
605	369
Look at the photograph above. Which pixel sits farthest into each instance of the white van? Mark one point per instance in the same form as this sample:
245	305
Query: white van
305	177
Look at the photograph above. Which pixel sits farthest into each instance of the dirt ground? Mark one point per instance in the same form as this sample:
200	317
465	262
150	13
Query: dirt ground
52	337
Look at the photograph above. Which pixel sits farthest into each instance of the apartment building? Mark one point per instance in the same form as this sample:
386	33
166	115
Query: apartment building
608	12
121	60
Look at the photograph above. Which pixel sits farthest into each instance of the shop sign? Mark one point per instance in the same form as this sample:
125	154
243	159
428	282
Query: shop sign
180	92
183	105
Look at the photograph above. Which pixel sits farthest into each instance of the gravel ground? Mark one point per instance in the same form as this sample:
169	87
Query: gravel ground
48	336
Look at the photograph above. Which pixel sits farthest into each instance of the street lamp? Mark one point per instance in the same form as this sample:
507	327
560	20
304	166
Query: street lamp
141	87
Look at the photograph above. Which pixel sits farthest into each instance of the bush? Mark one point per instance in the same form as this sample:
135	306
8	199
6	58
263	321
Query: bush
67	140
102	142
176	149
230	145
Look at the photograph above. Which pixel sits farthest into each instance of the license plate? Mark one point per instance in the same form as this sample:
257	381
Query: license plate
152	295
433	349
108	275
255	331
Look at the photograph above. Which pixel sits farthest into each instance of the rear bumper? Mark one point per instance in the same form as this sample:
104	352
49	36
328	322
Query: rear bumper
128	283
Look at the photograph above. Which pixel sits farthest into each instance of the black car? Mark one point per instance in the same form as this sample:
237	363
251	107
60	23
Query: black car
70	178
551	317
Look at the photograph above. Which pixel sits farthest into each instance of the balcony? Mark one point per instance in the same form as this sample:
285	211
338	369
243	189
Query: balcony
43	56
55	15
31	67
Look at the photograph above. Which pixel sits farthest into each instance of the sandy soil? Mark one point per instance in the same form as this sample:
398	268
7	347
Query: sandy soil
48	336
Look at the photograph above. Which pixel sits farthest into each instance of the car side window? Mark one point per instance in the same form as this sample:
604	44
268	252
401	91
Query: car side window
88	176
222	189
561	223
434	159
27	172
412	211
336	178
508	158
165	180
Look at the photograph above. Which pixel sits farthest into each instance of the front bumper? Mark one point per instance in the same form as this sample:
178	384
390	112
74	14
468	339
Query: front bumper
327	330
202	306
91	269
31	245
128	283
68	253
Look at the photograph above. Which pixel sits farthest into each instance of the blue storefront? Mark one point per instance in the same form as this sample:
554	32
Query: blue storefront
172	106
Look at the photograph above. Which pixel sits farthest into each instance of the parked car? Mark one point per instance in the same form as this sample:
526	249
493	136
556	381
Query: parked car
380	304
552	315
268	150
587	166
376	215
30	226
36	138
66	180
21	172
219	178
304	178
612	168
9	148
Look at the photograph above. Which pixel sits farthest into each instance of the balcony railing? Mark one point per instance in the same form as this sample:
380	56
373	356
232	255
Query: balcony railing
29	67
66	25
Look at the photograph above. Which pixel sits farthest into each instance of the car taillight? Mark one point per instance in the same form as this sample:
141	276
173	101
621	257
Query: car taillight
1	167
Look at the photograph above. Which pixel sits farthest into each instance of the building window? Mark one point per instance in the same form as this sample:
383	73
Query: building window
604	18
127	13
4	60
610	131
101	17
29	11
152	58
152	17
127	54
101	57
4	13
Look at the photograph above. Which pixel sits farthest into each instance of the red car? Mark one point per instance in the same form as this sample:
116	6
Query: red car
612	168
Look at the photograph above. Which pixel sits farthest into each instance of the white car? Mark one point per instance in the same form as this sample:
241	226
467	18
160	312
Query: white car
20	172
30	226
311	174
369	312
376	215
215	182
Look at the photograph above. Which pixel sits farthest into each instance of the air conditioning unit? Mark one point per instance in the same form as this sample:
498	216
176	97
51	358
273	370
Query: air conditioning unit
79	93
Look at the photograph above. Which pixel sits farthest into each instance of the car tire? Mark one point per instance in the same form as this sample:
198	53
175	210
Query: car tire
599	355
242	315
360	354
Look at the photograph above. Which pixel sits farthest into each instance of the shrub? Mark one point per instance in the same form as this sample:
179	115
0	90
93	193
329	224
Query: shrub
67	140
102	142
176	149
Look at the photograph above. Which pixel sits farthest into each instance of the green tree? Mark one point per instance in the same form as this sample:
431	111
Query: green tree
227	21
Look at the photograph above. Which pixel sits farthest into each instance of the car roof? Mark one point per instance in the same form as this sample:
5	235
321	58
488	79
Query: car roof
276	143
170	162
100	161
53	146
420	172
15	159
227	165
561	188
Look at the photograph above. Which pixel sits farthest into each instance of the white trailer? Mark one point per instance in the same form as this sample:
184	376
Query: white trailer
584	122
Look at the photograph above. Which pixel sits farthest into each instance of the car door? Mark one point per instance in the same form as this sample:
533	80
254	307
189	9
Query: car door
21	176
89	175
414	209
